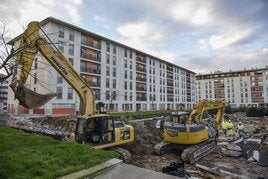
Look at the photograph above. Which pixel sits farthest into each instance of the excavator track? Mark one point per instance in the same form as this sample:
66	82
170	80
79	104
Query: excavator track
189	153
125	155
195	152
162	148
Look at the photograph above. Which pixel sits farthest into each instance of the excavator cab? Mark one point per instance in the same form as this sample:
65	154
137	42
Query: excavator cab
95	131
102	131
179	117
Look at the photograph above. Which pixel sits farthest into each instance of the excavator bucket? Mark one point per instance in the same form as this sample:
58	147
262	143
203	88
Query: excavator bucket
31	99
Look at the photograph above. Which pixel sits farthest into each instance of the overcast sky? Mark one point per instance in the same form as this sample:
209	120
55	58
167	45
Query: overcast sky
200	35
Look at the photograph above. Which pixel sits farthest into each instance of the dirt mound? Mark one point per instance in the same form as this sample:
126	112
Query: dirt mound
146	137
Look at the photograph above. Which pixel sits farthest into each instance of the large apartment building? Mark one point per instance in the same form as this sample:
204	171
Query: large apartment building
3	95
124	78
248	87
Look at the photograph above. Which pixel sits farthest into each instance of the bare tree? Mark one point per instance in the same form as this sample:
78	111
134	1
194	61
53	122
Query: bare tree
6	51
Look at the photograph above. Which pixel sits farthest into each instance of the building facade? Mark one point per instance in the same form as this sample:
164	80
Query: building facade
239	88
3	96
123	78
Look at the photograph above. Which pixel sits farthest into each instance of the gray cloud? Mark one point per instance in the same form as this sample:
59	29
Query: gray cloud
11	9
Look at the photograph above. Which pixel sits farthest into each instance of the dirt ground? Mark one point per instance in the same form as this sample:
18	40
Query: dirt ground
147	136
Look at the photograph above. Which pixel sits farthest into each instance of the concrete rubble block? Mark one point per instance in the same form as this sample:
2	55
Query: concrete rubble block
231	153
222	144
234	147
238	141
251	145
261	157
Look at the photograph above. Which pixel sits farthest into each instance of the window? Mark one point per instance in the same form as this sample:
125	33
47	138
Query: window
130	54
59	92
114	95
61	32
107	95
70	93
61	46
71	35
130	85
130	65
107	83
71	49
71	60
130	75
107	47
125	52
114	60
114	72
130	96
125	74
59	79
125	64
114	83
107	71
125	96
125	85
114	49
107	58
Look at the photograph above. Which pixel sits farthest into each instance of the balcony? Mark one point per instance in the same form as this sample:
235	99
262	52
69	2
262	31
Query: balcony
141	79
170	83
170	99
95	57
94	83
141	59
170	91
141	88
169	75
94	44
90	70
169	68
140	69
138	98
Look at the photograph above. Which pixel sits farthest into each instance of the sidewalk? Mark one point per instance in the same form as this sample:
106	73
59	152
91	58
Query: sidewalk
116	169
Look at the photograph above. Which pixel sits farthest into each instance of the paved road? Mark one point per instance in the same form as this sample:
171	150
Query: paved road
125	171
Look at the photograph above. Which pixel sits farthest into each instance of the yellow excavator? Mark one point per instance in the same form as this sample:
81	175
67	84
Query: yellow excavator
192	133
97	130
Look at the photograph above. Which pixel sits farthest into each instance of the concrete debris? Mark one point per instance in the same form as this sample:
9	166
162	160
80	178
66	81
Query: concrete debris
261	157
231	153
57	127
222	144
234	147
251	145
238	141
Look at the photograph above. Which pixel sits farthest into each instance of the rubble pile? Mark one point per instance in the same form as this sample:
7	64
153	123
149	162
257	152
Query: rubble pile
58	127
146	136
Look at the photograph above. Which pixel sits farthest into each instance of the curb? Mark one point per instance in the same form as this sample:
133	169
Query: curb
95	170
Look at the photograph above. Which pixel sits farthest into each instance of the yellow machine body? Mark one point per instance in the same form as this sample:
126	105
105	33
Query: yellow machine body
96	130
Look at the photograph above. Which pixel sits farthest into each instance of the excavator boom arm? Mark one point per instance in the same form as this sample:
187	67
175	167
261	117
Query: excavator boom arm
31	42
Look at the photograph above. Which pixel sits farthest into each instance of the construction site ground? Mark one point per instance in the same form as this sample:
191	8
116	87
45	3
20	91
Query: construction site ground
214	165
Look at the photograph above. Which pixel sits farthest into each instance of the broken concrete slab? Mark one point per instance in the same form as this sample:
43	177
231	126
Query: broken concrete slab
223	170
251	145
238	141
222	144
225	138
231	153
234	147
261	157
